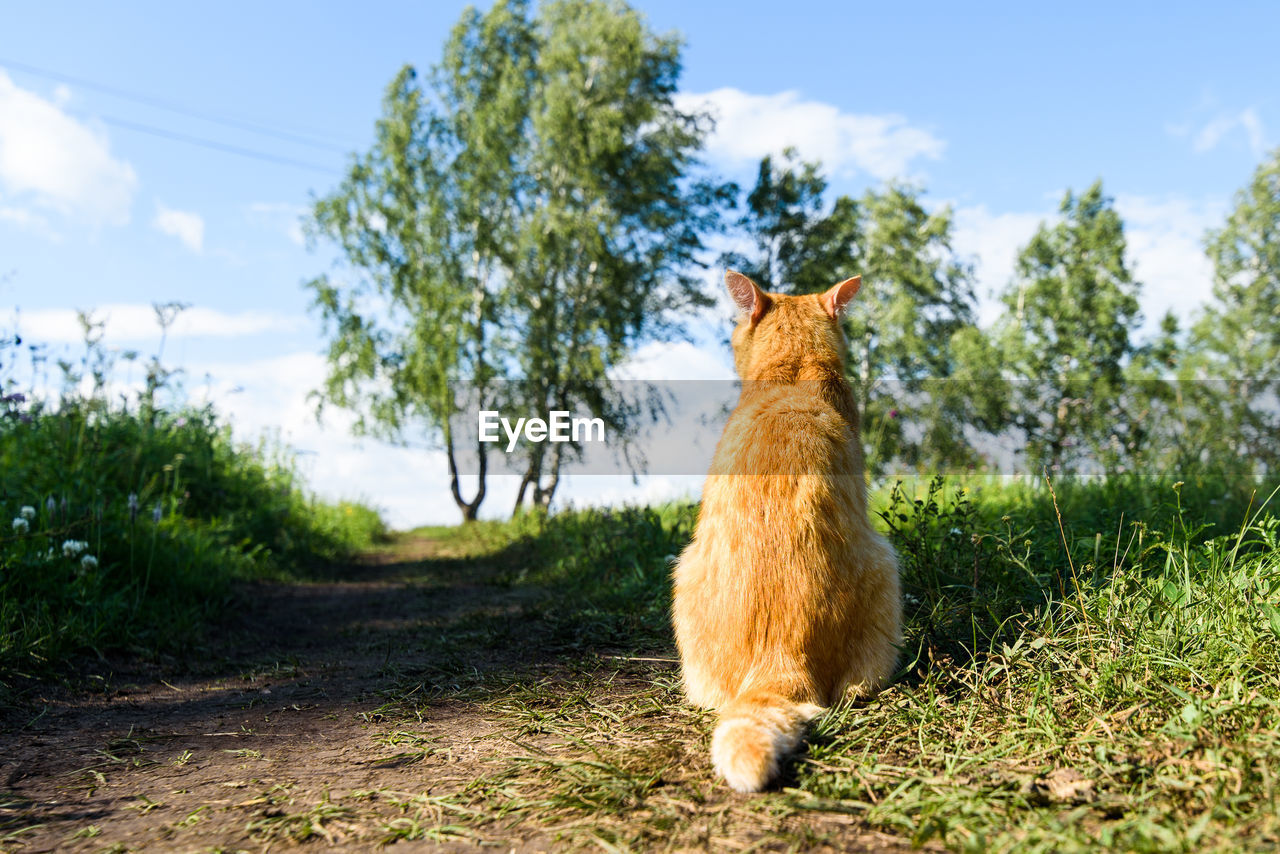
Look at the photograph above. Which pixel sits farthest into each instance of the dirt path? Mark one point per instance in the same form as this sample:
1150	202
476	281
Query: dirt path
418	701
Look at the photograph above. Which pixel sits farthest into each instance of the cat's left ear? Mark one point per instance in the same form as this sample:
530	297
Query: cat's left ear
747	295
838	297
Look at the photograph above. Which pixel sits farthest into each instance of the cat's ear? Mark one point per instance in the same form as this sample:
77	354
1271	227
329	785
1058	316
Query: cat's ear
838	297
746	294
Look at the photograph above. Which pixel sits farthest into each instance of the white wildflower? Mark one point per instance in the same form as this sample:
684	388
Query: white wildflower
51	505
71	548
27	512
158	513
88	563
133	506
21	526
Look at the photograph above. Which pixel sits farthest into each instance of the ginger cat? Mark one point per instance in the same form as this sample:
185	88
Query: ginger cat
786	597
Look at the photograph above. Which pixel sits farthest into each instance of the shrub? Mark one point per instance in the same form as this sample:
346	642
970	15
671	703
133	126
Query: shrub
129	525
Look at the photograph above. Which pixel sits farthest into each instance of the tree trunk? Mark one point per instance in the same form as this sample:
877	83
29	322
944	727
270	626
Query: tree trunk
469	508
542	495
524	486
532	475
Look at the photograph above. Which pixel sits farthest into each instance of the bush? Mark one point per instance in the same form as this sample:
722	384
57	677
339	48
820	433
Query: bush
129	525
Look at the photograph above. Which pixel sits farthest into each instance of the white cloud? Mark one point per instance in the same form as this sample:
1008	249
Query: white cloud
28	220
270	397
993	242
1165	243
133	322
750	126
1166	252
1252	124
285	217
677	360
409	485
53	162
188	227
613	490
1211	134
1218	128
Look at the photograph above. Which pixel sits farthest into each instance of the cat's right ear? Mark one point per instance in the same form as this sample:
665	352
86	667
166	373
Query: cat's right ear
838	297
746	294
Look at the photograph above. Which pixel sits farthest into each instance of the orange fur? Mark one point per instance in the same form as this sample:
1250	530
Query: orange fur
786	597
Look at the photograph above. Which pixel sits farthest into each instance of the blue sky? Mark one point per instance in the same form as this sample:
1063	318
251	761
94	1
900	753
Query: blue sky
995	111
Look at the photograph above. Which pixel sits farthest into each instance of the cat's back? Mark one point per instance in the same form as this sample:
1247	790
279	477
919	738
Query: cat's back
786	429
773	573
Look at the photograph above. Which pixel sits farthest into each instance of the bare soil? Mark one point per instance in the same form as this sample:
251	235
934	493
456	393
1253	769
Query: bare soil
374	709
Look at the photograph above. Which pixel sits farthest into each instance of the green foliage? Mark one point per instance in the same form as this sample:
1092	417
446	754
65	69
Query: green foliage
978	551
413	218
124	528
528	216
800	247
914	347
1115	712
1203	397
1065	338
1234	368
1062	368
1157	408
617	561
920	367
615	220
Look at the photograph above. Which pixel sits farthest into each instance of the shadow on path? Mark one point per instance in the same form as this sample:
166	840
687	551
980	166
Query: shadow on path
246	741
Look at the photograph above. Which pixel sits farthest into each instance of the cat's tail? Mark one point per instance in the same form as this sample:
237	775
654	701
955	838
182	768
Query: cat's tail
757	730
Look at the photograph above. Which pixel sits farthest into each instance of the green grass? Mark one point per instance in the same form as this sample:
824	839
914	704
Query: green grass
125	528
1092	665
1136	706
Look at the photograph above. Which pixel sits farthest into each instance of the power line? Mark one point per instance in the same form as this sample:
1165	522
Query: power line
217	146
308	138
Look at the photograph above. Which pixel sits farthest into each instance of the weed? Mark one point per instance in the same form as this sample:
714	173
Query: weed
1087	664
317	821
127	520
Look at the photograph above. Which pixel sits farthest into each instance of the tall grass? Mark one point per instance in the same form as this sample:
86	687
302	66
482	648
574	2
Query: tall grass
612	563
1087	664
1113	677
123	523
